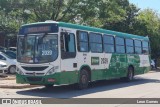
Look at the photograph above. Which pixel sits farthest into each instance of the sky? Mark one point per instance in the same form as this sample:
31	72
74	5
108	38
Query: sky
143	4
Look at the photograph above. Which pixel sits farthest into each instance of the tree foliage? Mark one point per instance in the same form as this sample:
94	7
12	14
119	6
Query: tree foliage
117	15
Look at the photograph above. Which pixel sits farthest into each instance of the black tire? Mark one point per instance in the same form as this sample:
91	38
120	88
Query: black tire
12	69
83	79
152	67
49	86
130	74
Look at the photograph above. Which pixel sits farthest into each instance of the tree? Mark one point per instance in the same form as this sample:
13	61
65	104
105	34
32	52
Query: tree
148	24
127	20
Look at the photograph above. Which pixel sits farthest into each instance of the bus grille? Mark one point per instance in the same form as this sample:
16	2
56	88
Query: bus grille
37	74
35	68
34	79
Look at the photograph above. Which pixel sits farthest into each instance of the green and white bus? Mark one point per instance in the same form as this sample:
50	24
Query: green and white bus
58	53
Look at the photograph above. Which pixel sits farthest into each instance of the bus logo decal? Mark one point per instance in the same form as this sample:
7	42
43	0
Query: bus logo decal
94	60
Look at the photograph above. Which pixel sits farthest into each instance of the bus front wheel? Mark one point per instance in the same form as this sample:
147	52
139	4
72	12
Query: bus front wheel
83	80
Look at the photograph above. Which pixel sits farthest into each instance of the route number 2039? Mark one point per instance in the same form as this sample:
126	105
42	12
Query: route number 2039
48	52
104	60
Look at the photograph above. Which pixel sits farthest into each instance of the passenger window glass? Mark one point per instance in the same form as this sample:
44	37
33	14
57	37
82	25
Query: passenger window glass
68	49
108	43
82	41
129	46
119	41
137	43
83	36
70	43
120	48
108	48
145	49
95	38
108	39
138	46
129	42
95	42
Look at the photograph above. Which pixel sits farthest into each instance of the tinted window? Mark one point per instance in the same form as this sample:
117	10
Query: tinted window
83	36
95	38
145	47
119	41
137	43
129	42
120	48
108	39
129	46
68	49
96	47
138	46
11	54
82	41
83	47
69	43
108	43
138	50
130	50
145	44
108	48
95	42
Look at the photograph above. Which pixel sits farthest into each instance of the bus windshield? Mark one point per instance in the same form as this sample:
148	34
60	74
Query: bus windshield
37	48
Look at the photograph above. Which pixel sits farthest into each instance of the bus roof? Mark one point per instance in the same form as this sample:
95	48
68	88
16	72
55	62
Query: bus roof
99	30
93	29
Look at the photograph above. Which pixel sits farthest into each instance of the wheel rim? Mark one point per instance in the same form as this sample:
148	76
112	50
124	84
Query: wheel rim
12	70
84	79
130	75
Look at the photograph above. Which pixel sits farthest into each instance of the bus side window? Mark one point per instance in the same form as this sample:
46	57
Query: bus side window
82	41
68	49
145	47
138	46
120	45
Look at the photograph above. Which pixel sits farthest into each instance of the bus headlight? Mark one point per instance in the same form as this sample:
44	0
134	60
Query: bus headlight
52	71
19	71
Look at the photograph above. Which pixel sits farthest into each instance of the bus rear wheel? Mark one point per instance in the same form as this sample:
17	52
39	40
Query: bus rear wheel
83	80
130	74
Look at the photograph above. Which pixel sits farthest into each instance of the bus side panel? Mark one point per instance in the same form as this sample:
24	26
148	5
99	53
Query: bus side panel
68	77
117	66
112	70
140	63
121	65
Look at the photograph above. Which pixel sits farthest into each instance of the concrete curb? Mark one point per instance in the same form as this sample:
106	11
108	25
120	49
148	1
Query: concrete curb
18	87
8	78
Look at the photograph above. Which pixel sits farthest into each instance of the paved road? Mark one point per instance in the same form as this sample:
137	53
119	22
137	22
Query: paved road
144	86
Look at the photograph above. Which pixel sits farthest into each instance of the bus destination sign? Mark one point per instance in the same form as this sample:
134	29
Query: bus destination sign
38	28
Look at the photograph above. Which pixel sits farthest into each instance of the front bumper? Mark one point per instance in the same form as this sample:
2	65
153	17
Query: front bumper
38	80
2	70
